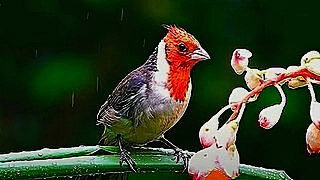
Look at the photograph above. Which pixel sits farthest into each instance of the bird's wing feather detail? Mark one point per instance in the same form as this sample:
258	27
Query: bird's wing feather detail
120	104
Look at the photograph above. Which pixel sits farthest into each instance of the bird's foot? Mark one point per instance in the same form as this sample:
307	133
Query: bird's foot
125	157
184	156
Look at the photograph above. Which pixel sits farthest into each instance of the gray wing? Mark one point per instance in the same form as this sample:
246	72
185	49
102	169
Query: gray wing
122	103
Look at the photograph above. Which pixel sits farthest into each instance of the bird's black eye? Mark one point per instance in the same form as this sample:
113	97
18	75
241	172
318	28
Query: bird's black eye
206	129
182	47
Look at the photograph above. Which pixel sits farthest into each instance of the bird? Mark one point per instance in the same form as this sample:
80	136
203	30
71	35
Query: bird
152	98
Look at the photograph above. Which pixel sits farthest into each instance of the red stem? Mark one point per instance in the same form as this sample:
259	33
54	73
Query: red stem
286	76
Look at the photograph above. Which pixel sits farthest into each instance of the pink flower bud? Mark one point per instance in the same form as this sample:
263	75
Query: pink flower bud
209	129
253	78
313	139
269	116
240	60
207	161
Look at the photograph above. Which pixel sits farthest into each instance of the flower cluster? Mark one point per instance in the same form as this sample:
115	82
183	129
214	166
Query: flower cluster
220	158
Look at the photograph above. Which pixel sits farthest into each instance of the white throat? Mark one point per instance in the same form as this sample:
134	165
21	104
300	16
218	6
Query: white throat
162	64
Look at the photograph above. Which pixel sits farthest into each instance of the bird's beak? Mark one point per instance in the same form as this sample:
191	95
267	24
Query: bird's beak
200	54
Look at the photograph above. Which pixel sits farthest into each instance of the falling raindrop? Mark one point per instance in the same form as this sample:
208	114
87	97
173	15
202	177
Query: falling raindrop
99	46
72	99
144	42
121	14
36	53
87	16
97	88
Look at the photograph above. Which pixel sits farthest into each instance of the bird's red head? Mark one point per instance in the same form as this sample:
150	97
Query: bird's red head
182	48
183	51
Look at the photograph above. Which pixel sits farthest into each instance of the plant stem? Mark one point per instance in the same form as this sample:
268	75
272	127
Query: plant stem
286	76
48	153
79	161
76	151
84	165
312	93
263	172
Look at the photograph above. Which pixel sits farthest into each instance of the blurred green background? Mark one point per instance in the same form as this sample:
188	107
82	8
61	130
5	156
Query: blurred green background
59	61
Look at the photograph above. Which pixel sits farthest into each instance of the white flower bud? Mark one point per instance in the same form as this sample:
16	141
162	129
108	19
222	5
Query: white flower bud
240	60
292	69
226	135
311	61
308	57
314	107
272	73
209	129
313	139
211	159
210	135
237	95
314	66
253	78
232	162
315	113
269	116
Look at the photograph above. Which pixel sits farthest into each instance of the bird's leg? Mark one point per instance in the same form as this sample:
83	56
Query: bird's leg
179	153
125	156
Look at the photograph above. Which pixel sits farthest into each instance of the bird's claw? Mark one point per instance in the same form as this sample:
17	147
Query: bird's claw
184	156
125	157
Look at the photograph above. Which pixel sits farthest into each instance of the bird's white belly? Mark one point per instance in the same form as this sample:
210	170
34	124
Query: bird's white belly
166	113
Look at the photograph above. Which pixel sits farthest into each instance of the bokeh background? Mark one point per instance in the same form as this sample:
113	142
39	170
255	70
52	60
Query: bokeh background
59	60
